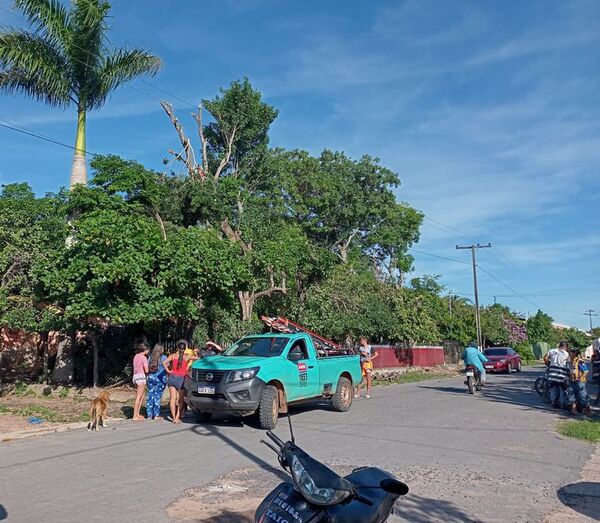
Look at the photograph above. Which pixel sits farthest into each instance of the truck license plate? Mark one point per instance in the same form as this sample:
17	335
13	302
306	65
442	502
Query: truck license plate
206	390
470	373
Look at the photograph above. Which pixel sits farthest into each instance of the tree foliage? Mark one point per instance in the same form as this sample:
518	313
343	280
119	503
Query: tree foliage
248	230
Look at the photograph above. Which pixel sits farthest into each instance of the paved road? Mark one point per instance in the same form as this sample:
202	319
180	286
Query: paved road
489	457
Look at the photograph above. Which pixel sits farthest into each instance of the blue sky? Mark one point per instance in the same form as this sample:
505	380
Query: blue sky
489	111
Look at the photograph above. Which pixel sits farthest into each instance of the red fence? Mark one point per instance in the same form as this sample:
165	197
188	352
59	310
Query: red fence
389	356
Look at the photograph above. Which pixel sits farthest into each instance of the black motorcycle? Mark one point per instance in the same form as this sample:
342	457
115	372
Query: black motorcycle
473	381
318	494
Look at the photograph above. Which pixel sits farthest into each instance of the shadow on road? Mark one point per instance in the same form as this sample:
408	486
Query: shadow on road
211	430
515	389
582	497
226	516
419	509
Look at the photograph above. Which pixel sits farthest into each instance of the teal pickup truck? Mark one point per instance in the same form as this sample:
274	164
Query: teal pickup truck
265	373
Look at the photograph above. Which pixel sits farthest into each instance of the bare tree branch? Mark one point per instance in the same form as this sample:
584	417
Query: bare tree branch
342	248
15	265
225	160
189	160
235	236
162	225
198	117
273	288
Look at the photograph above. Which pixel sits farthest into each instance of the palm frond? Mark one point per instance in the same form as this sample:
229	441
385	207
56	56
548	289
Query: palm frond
30	64
88	22
120	67
49	17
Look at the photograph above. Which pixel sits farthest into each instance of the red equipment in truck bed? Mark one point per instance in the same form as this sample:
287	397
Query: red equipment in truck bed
281	324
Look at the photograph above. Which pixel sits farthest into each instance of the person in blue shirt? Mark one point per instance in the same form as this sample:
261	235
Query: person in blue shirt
473	356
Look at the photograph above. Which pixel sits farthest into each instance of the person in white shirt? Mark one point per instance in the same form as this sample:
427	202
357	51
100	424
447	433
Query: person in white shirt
559	372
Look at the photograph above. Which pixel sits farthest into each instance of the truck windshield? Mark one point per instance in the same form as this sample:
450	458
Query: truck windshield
261	347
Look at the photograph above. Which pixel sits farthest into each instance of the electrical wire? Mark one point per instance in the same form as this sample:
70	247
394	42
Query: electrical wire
438	256
13	127
508	286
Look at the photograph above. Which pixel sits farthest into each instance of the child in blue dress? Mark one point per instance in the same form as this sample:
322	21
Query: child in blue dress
156	381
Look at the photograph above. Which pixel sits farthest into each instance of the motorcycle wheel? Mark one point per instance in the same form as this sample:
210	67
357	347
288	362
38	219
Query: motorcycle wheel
540	386
470	384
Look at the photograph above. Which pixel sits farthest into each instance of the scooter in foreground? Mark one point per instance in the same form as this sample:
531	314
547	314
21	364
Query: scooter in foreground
318	494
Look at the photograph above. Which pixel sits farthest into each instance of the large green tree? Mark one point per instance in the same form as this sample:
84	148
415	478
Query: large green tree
31	229
63	61
539	328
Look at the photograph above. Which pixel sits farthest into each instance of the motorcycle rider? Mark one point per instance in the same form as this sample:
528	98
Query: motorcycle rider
559	372
473	356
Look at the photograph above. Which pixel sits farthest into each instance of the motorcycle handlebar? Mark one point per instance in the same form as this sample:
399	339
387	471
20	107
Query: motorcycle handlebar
275	439
363	499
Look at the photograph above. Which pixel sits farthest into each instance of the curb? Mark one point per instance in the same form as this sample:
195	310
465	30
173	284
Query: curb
23	434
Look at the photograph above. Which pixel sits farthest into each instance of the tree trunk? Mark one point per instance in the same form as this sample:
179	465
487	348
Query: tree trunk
95	349
247	304
44	340
79	169
63	367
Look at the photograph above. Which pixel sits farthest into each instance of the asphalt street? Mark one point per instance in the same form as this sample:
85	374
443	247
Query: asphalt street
489	457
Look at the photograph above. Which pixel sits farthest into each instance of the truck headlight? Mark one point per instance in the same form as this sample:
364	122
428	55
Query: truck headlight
243	374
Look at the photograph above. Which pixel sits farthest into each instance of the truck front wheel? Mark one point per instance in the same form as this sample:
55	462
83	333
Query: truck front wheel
342	399
268	409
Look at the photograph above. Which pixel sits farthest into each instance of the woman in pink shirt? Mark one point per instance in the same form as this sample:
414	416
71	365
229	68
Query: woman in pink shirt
140	370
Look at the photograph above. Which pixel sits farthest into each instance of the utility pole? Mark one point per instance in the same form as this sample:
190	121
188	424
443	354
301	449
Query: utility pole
450	309
474	248
590	313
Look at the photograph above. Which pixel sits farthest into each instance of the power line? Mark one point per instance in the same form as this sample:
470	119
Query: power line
508	287
542	293
23	130
438	256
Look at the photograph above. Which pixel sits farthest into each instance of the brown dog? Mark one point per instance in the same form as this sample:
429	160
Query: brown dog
98	410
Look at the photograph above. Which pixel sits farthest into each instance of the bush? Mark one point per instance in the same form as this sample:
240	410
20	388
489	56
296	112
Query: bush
525	351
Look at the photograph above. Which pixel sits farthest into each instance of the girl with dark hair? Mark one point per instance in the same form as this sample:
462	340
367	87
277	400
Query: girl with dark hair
157	381
140	369
176	366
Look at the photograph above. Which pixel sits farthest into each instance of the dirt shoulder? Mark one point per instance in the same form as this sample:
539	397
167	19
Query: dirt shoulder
55	408
581	500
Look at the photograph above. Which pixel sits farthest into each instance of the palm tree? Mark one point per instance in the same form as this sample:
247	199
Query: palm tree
63	61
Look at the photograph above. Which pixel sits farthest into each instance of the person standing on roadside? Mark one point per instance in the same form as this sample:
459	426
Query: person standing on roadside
579	371
157	381
559	371
366	364
176	366
140	369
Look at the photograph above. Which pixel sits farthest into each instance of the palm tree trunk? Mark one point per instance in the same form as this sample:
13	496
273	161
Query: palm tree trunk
79	169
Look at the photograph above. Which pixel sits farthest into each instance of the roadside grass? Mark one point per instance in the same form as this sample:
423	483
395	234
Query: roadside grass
411	377
587	430
50	415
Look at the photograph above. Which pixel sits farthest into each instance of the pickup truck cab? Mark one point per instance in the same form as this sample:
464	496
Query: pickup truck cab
264	373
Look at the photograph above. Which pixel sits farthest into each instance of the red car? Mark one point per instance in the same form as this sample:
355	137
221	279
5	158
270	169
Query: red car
502	359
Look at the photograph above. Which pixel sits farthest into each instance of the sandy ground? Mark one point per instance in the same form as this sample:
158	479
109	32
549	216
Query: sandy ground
10	423
581	499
